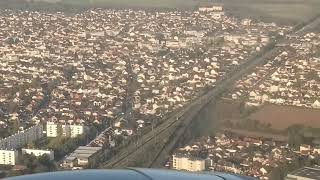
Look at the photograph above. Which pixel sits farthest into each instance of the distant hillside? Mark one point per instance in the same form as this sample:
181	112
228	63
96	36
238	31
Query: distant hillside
48	1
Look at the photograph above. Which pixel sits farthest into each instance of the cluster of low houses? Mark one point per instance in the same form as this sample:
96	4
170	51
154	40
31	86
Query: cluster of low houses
291	77
227	152
97	65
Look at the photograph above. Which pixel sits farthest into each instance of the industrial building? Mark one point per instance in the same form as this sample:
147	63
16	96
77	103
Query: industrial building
84	156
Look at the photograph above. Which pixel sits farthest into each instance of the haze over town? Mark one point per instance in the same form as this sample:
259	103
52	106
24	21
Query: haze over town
195	86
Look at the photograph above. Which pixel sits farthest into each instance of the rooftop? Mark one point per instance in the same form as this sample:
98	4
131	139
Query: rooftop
307	172
84	152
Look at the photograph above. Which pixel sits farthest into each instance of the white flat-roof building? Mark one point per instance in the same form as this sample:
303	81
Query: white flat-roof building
52	129
183	162
39	152
8	157
73	130
69	130
215	7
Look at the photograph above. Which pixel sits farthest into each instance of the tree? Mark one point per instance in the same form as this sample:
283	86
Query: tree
16	125
295	140
68	72
59	130
283	170
31	145
4	132
12	107
317	160
275	174
30	161
228	123
37	164
295	164
14	173
65	145
313	75
44	160
47	163
309	162
118	139
52	85
160	37
40	169
242	107
295	135
93	130
36	82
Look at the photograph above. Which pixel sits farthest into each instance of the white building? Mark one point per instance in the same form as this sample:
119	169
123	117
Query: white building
8	157
39	152
217	15
52	129
175	44
69	130
216	7
246	22
73	130
21	138
182	162
305	147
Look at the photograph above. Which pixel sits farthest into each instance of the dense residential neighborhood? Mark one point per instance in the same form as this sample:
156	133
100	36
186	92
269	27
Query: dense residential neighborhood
76	87
229	152
123	69
289	78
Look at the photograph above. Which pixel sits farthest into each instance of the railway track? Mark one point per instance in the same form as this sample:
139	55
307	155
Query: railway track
197	104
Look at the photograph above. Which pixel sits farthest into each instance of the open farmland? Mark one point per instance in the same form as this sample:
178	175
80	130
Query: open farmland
281	117
136	3
280	11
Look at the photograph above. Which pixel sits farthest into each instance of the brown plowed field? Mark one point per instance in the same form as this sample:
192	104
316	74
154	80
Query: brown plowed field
281	117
